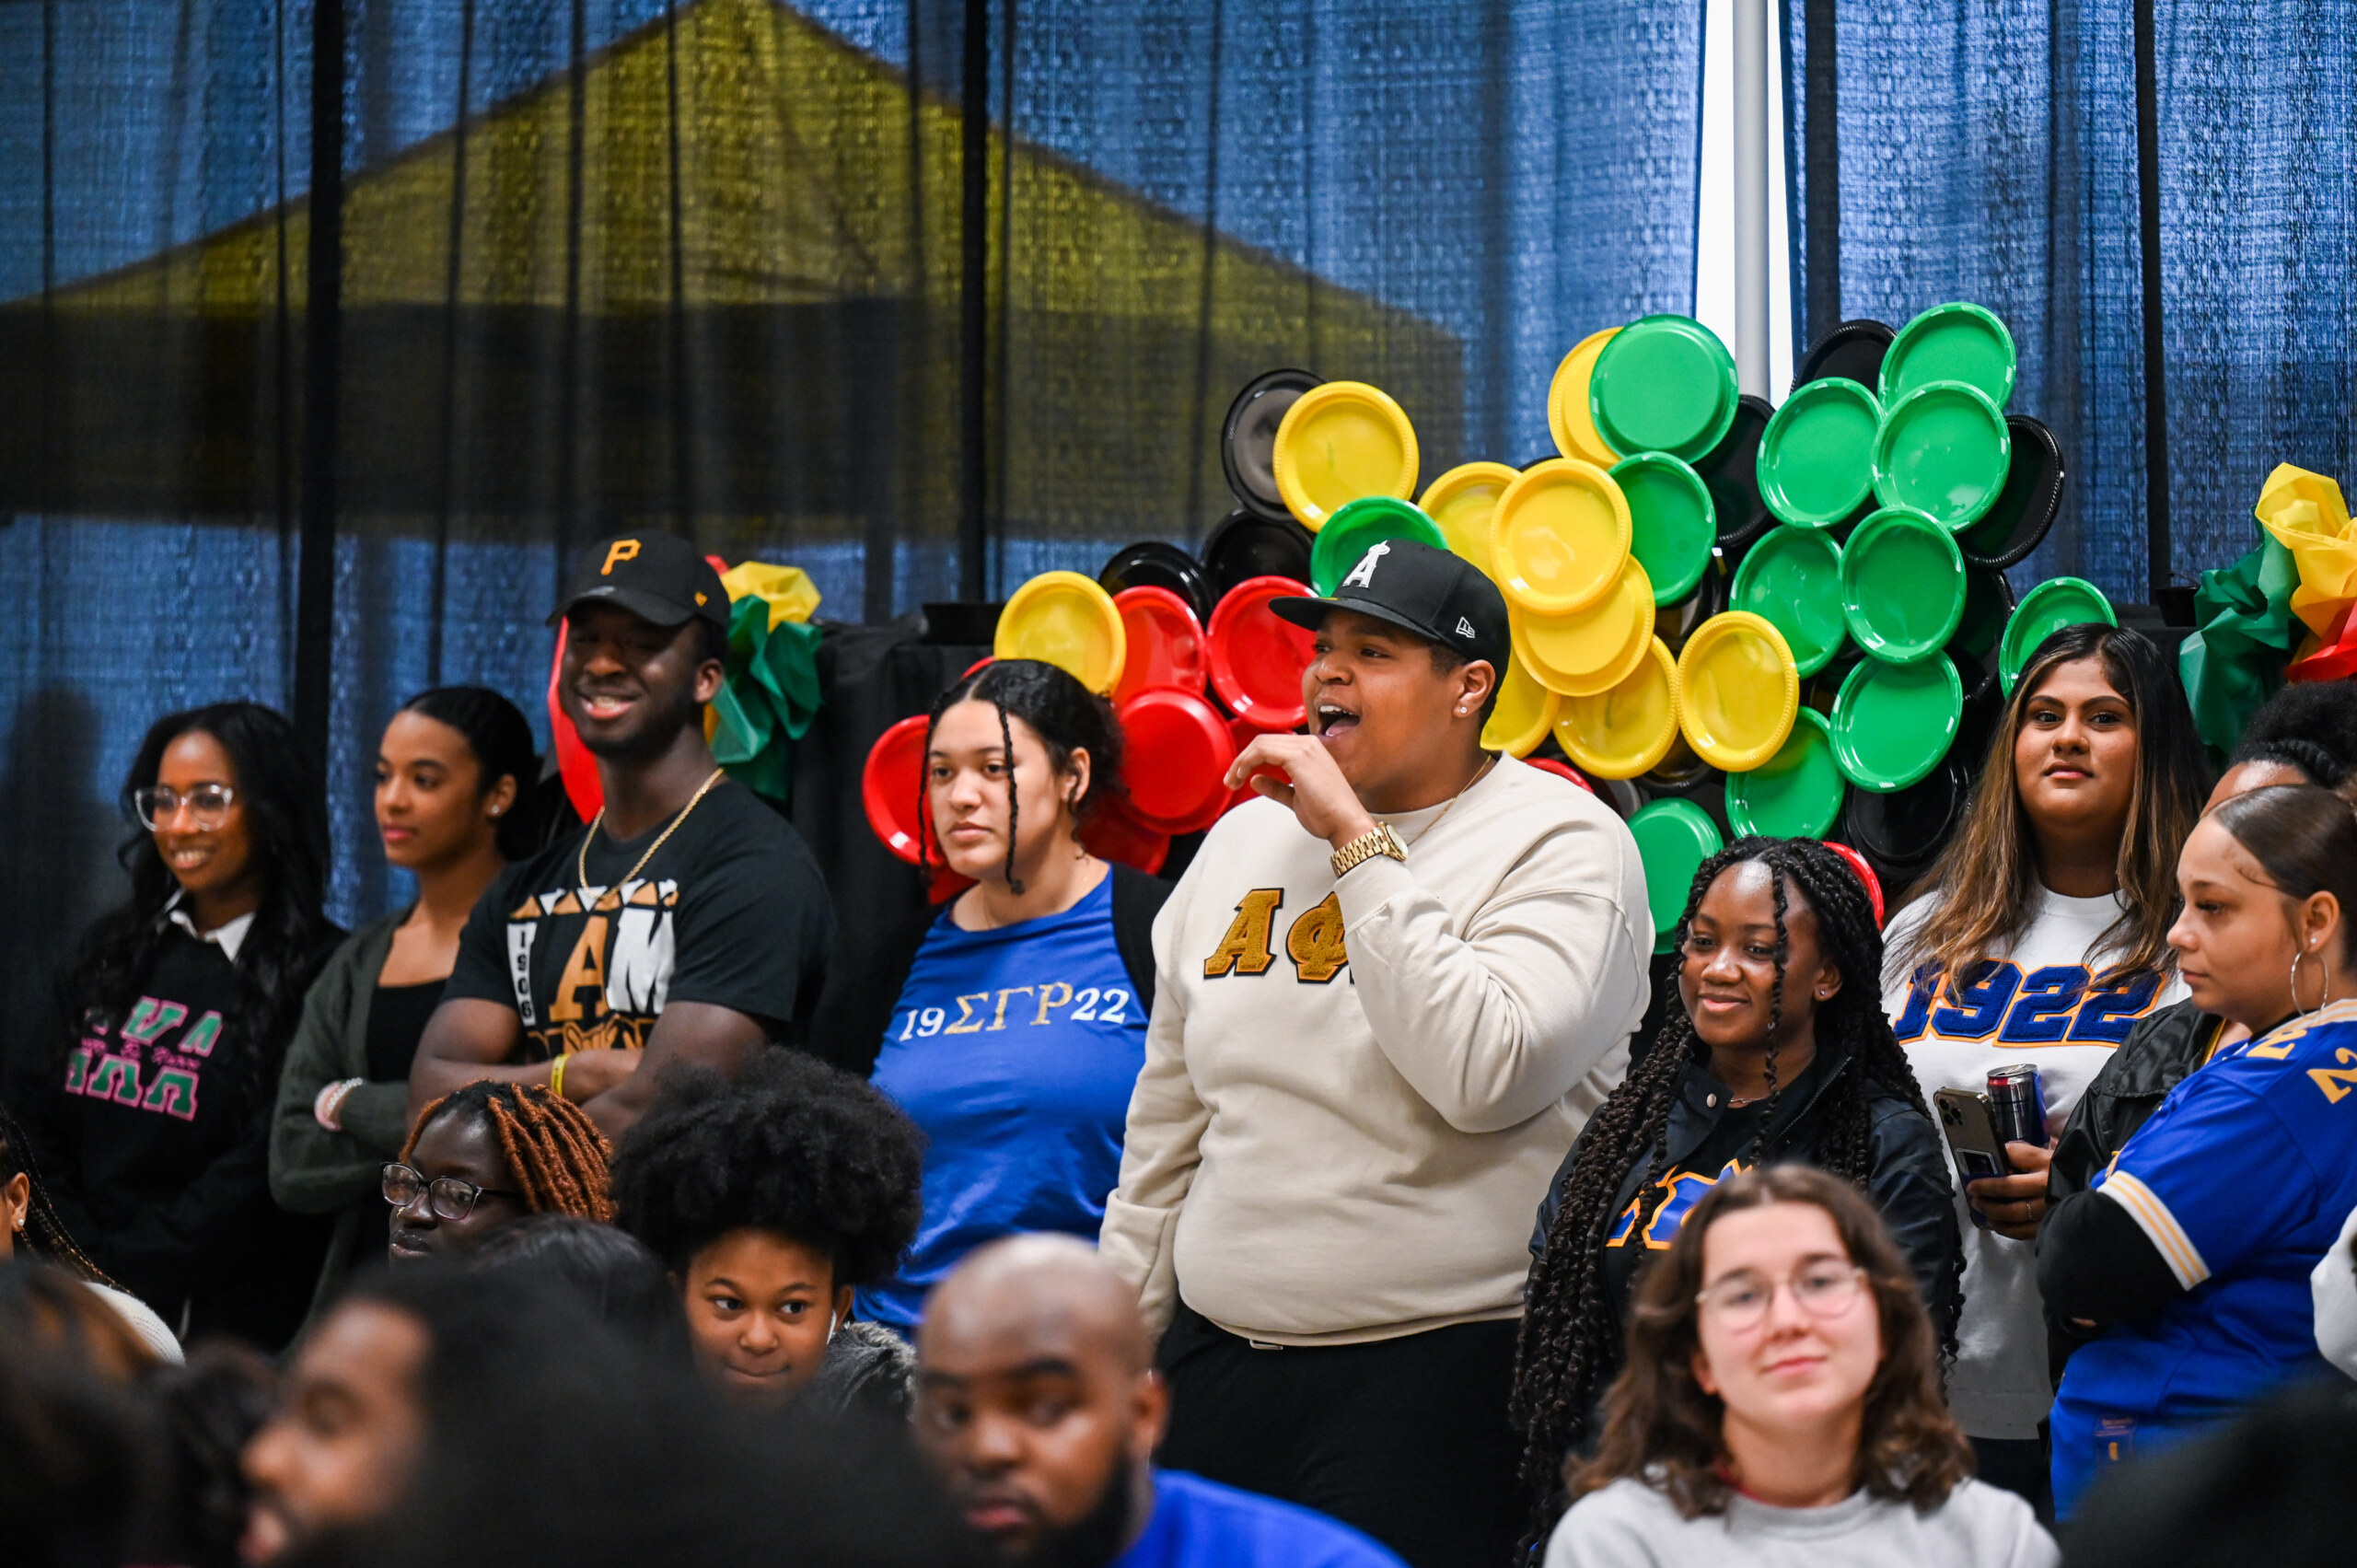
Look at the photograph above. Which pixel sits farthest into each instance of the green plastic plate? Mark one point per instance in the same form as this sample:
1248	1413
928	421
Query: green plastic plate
1943	450
1791	580
1951	342
1663	384
1817	461
1902	586
1892	722
1797	793
1674	838
2044	610
1671	524
1357	526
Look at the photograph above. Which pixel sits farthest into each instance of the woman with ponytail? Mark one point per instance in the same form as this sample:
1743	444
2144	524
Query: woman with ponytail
1046	963
454	772
1776	1050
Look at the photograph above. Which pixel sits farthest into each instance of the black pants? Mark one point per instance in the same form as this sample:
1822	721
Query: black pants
1406	1439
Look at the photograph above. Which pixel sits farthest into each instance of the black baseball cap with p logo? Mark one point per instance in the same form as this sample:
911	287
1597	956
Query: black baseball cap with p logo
1441	598
658	576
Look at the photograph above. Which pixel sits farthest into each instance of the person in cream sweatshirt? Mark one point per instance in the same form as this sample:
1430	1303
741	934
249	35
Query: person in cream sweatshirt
1387	997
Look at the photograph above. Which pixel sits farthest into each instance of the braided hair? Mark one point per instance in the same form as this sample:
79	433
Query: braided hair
44	1235
1567	1354
556	1152
1066	716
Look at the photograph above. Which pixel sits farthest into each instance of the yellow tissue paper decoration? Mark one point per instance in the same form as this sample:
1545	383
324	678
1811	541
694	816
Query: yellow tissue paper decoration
2305	513
792	596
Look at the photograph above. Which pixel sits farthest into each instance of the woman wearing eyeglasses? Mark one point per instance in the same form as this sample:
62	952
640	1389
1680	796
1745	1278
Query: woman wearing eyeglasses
486	1155
1780	1406
152	1121
452	770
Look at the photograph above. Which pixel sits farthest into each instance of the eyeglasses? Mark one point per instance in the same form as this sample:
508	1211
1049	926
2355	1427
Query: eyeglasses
452	1199
1826	1288
208	803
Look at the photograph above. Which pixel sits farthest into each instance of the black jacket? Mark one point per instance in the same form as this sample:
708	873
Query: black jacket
862	988
2160	1052
1910	1183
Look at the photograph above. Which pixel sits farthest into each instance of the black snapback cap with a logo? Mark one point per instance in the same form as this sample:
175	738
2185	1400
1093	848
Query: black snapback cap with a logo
1441	598
658	576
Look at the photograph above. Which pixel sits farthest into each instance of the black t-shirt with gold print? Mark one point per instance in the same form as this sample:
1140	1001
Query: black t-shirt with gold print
731	910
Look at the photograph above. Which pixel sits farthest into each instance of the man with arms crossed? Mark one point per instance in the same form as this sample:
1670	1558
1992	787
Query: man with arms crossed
688	922
1388	997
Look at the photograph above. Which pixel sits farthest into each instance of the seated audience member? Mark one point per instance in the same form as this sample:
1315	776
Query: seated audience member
29	1224
1010	1025
2270	1487
401	1359
686	922
81	1457
1780	1406
1776	1049
2040	935
2193	1252
616	1277
2302	734
485	1156
771	1200
1038	1403
452	774
151	1121
1390	994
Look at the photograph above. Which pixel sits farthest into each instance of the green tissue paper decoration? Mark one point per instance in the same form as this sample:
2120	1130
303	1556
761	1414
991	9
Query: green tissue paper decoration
768	697
2246	632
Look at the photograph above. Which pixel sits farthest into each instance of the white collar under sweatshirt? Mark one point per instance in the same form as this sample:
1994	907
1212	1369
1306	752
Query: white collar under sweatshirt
1354	1094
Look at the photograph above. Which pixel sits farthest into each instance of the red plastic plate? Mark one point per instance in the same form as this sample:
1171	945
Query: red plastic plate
1176	751
1257	659
1166	644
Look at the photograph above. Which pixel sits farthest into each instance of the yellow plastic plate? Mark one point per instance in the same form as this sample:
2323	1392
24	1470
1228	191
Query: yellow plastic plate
1558	538
1737	691
1567	411
1627	730
1591	650
1339	442
1064	619
1525	712
1462	502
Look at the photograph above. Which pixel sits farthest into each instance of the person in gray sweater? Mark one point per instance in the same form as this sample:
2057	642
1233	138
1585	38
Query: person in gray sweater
1780	1405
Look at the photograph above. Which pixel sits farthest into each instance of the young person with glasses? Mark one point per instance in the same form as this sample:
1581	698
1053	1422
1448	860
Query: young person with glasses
1775	1048
488	1154
686	922
453	770
1780	1406
151	1119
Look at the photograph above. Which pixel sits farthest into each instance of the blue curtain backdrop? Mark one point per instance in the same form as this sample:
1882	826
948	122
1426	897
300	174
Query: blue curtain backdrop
1987	151
614	263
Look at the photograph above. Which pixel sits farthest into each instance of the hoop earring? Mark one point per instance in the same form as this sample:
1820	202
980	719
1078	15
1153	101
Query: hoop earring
2299	958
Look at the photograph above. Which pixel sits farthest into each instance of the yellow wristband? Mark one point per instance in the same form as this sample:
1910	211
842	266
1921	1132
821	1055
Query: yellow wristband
556	1077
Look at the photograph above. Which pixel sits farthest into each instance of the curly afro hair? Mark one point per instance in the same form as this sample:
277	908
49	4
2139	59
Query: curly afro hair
790	1145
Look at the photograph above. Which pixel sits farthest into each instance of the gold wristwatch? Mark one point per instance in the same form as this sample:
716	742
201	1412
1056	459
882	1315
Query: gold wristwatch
1378	840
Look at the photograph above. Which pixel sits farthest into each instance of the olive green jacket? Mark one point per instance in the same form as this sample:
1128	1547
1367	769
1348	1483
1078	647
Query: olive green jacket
312	1170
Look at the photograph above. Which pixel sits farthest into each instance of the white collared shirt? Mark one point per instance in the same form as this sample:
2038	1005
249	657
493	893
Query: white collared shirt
228	936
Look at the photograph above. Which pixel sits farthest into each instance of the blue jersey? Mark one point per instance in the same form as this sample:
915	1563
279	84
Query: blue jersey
1015	1050
2241	1181
1200	1524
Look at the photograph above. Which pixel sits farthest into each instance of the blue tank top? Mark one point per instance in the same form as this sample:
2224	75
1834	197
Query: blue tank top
1015	1050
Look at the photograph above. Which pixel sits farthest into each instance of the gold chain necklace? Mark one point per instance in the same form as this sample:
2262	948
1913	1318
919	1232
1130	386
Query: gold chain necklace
1479	773
582	864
